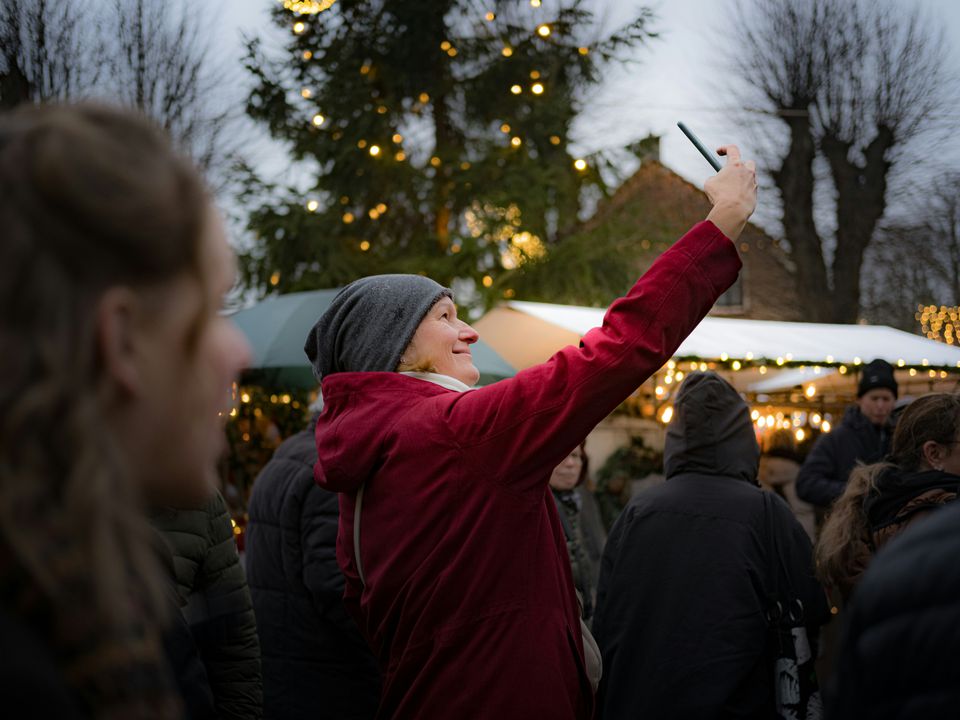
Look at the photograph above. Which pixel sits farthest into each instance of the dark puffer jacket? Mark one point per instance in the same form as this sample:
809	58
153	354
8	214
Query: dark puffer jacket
215	602
900	657
824	475
315	662
686	576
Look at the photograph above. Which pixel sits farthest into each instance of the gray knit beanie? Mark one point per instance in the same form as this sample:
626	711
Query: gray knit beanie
370	323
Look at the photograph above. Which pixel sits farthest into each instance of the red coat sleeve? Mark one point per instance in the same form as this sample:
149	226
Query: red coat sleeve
518	430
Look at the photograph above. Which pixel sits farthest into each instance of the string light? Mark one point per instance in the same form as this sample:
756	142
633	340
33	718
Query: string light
397	138
382	110
534	75
318	119
800	434
306	93
535	3
735	365
464	165
374	150
299	27
381	208
536	89
554	139
516	89
667	415
364	69
361	144
490	17
365	245
580	164
308	7
507	51
939	323
435	161
445	45
515	141
400	156
810	391
307	55
583	50
826	426
313	205
505	128
487	281
543	30
347	218
274	280
424	98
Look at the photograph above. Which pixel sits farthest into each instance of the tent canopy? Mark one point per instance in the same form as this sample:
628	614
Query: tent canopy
793	342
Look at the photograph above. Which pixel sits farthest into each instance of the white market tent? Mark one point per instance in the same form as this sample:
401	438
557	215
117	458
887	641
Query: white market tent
808	343
526	333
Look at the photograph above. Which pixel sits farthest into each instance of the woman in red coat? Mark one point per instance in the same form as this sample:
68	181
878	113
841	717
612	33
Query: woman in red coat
454	555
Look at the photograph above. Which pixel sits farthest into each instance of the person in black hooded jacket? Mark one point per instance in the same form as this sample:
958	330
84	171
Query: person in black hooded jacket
863	436
315	661
687	574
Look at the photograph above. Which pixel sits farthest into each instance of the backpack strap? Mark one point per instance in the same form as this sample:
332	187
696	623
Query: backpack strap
358	504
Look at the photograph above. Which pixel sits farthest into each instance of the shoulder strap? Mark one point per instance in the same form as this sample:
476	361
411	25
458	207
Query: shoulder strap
358	504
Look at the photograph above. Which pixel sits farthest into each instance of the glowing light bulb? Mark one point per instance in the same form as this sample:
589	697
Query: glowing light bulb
507	51
487	281
516	89
347	218
313	205
537	89
667	415
365	245
515	141
318	119
580	164
299	27
374	150
543	30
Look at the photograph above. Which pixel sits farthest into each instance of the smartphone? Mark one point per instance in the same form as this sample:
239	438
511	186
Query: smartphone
711	157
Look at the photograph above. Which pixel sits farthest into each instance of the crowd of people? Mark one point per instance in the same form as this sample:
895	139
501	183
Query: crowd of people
424	548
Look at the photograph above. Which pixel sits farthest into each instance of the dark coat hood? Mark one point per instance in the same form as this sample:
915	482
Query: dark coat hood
711	432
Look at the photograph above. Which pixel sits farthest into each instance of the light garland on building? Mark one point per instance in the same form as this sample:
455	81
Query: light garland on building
308	7
939	323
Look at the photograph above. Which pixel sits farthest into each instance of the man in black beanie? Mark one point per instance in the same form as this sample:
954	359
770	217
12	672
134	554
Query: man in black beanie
863	436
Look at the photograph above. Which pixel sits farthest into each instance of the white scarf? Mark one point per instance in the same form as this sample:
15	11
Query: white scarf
442	380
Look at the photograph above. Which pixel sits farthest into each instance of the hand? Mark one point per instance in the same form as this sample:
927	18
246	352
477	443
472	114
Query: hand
732	192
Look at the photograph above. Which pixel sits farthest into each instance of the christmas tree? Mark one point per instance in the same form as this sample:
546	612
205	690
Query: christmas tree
436	135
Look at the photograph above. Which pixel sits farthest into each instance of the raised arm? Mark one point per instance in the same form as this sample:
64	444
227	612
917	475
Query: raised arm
534	419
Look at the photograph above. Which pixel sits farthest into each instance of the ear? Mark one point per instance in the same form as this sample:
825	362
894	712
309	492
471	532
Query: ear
933	454
116	339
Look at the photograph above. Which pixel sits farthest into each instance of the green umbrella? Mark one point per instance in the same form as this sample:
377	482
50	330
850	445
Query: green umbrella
277	328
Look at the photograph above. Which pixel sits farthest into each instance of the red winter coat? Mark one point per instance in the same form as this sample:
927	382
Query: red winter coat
469	601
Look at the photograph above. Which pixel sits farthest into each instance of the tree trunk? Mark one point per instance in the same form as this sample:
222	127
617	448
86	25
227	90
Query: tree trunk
861	198
795	182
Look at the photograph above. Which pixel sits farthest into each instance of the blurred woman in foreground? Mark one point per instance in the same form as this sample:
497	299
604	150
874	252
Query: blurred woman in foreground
115	365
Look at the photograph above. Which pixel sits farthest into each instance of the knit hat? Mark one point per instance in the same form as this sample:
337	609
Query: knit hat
877	374
370	323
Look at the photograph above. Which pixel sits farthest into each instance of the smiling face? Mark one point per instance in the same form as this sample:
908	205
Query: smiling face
442	344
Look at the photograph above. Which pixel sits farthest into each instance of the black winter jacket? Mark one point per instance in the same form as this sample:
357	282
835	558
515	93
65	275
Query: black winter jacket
686	575
900	656
315	662
215	603
824	475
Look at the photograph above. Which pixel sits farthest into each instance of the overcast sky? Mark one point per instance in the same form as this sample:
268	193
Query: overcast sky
675	80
